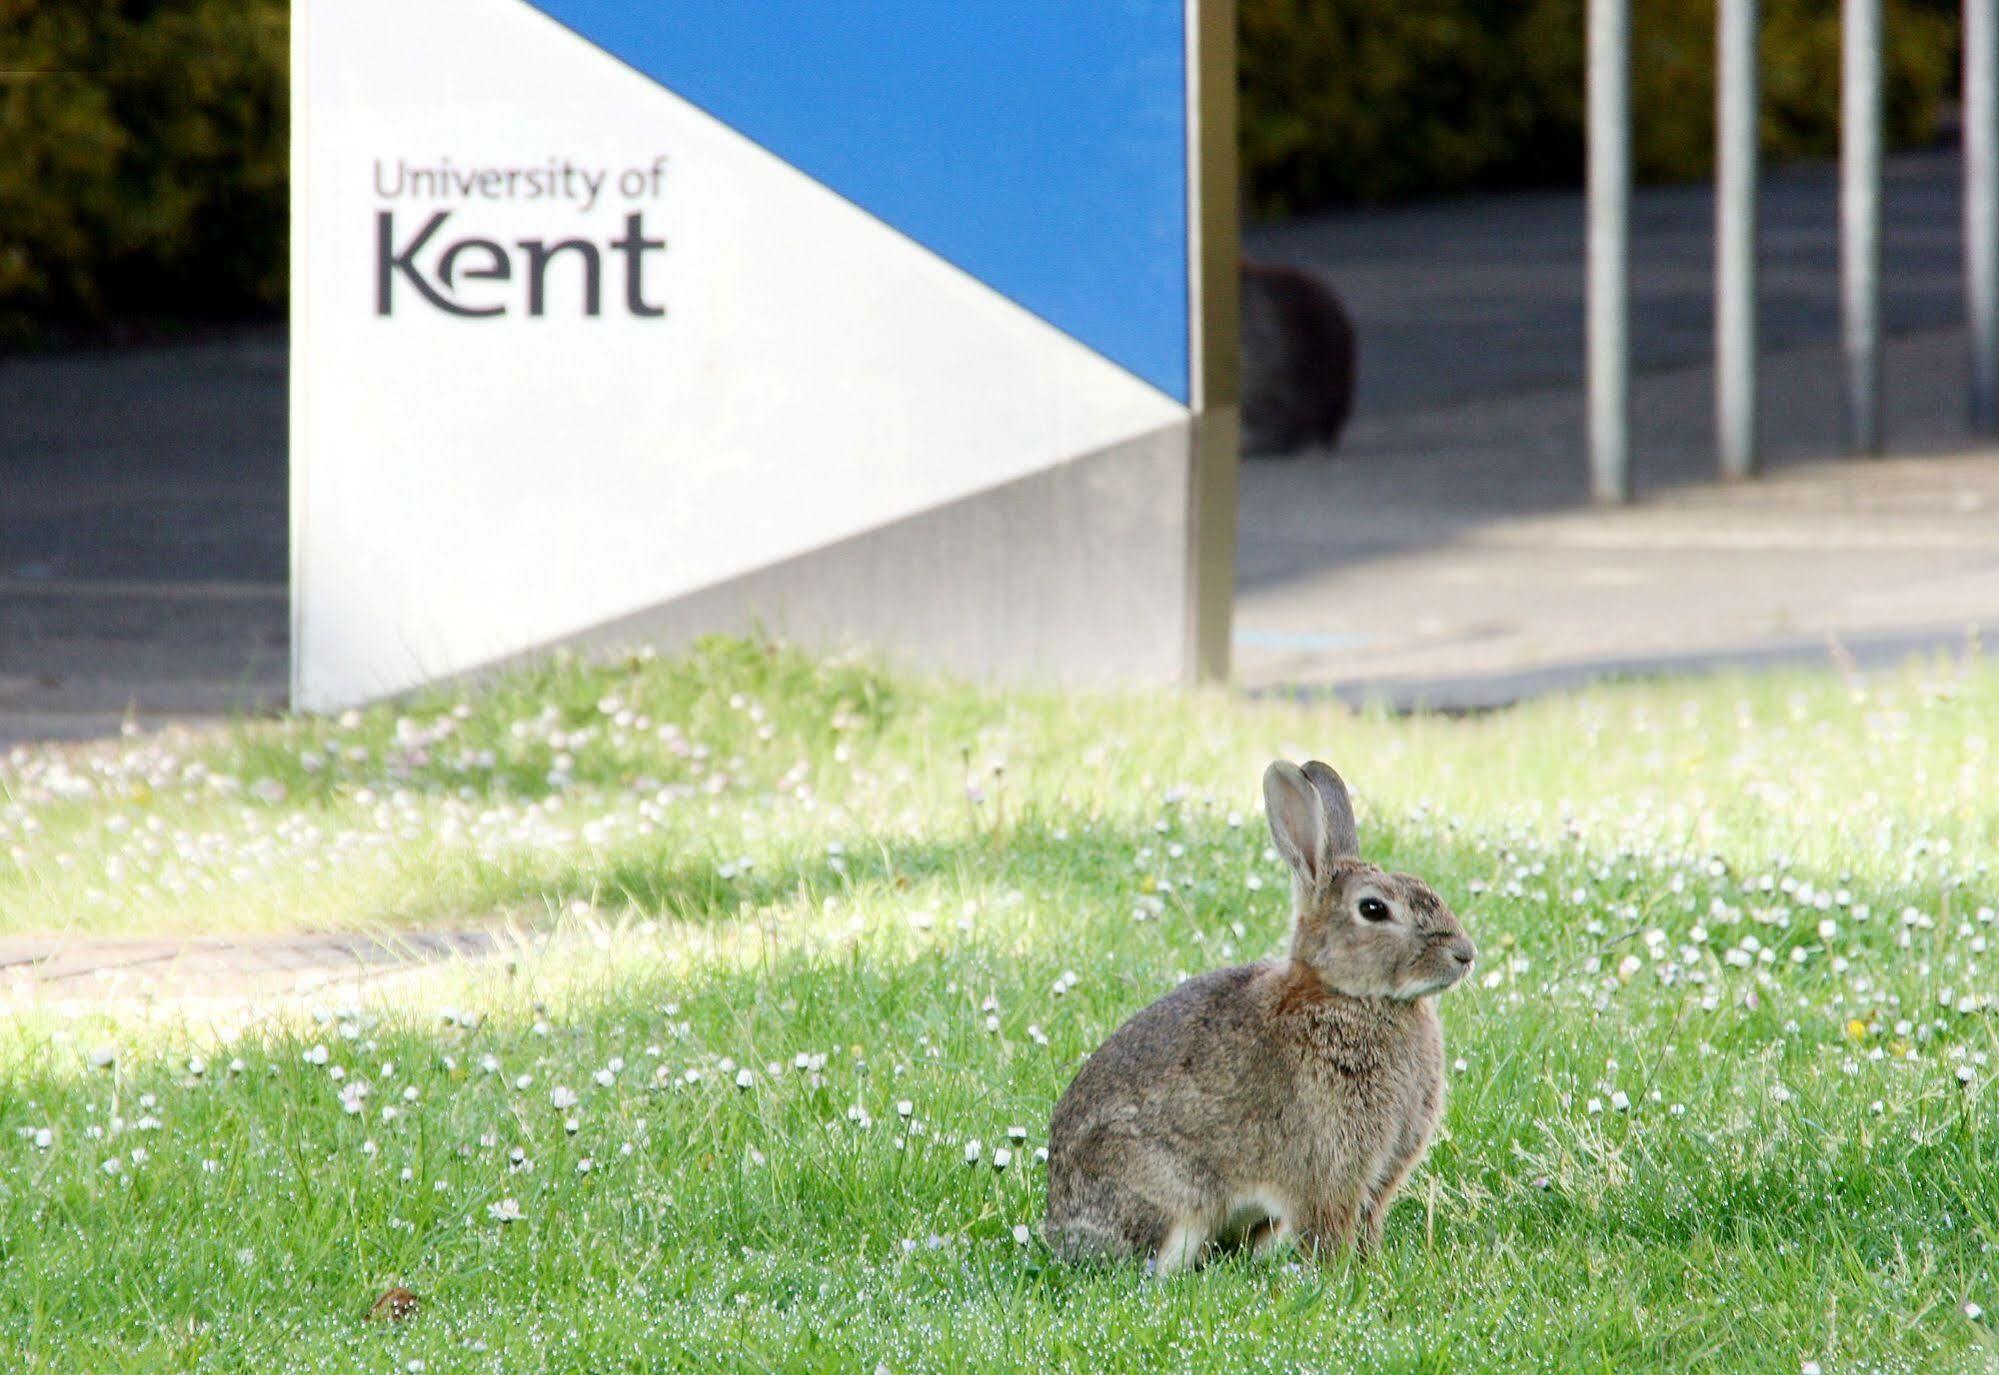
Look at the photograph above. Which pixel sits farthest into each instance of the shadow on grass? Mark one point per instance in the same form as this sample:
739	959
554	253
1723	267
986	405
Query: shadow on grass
1089	869
705	890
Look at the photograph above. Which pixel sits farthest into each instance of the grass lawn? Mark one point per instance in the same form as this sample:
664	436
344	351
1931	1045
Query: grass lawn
829	942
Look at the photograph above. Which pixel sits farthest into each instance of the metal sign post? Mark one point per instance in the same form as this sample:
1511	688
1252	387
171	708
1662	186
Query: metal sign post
1981	207
1610	249
1735	239
1860	222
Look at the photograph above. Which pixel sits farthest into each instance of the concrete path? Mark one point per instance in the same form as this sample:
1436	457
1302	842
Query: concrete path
81	972
143	527
1420	568
1447	554
1848	564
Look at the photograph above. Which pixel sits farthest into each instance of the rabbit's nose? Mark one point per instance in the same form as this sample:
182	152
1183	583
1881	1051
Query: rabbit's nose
1463	951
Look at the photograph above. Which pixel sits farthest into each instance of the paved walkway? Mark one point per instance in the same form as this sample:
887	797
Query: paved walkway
1847	565
143	529
1416	568
89	972
1447	554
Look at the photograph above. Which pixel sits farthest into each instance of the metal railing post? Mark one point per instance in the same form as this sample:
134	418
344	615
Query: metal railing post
1735	238
1860	221
1981	207
1609	248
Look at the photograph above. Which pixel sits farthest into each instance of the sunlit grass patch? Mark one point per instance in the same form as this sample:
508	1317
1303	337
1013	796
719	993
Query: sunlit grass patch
825	945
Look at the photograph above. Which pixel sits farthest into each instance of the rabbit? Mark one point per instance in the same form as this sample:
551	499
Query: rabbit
1298	350
1274	1102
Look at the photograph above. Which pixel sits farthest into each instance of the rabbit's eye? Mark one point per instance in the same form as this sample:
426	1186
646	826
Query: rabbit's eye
1373	909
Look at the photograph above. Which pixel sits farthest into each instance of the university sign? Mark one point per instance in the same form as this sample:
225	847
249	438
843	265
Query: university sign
904	325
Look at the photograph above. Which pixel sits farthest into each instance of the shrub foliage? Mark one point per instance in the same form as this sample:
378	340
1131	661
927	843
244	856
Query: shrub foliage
143	158
143	143
1368	100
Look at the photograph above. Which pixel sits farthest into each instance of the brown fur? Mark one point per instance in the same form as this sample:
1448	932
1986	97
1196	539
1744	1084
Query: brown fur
1285	1098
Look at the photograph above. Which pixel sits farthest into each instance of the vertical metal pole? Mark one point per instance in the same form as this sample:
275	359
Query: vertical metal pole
1735	239
1610	249
1215	265
1860	222
1981	207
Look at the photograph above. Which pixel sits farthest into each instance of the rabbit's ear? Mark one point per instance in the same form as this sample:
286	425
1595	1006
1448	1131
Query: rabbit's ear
1342	835
1297	821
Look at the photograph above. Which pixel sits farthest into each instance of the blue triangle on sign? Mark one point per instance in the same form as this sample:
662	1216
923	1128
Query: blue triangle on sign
1039	145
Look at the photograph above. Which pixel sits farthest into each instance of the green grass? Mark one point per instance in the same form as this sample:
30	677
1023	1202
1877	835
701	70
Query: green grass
950	896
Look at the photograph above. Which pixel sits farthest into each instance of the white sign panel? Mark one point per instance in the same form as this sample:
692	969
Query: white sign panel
569	346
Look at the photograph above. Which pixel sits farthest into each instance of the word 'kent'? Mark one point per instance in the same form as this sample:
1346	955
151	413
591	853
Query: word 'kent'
475	277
